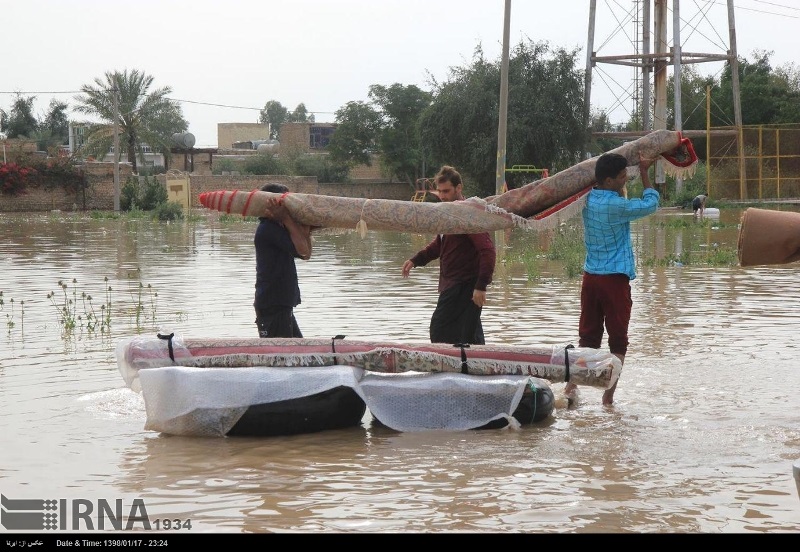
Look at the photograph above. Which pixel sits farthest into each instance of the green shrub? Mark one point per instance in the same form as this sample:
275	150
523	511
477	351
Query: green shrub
145	193
224	165
568	247
320	166
169	210
152	171
263	164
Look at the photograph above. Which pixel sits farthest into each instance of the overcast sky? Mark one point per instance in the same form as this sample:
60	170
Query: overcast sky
238	54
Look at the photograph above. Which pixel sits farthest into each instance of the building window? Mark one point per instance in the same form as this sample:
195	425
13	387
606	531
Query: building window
320	136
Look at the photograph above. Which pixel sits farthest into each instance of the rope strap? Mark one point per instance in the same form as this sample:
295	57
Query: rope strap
464	365
566	361
247	203
169	344
333	347
535	390
230	201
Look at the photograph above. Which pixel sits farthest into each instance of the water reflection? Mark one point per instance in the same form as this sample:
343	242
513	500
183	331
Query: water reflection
703	436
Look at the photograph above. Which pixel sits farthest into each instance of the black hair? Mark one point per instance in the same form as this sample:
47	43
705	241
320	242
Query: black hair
609	165
275	188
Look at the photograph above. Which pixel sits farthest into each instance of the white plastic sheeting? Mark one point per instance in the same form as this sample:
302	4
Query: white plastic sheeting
209	401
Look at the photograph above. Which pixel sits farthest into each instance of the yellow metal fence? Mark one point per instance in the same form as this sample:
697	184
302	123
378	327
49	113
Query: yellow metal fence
771	162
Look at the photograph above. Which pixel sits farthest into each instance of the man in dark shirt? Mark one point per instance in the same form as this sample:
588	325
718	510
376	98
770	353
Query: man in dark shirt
278	240
466	267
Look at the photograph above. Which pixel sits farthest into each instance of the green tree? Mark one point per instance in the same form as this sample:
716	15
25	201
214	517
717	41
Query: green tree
275	115
399	142
787	78
300	115
54	128
545	104
20	122
693	98
767	96
56	120
146	117
598	123
357	131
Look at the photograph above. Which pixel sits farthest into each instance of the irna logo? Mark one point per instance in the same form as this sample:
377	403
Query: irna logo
78	514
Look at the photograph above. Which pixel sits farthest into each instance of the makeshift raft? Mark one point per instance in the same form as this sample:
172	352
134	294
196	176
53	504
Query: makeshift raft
285	386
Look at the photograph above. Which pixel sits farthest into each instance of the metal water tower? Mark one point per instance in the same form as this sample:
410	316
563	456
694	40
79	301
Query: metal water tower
652	55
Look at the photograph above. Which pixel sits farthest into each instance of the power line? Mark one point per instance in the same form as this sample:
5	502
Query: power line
777	5
237	106
173	99
767	12
42	92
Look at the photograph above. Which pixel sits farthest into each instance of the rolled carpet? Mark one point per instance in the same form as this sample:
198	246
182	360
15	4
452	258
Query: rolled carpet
768	237
537	205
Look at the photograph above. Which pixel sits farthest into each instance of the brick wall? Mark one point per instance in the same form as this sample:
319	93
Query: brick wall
13	148
371	171
99	194
295	138
198	162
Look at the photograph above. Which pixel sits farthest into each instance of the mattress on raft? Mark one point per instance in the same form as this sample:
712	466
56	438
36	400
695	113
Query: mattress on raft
410	401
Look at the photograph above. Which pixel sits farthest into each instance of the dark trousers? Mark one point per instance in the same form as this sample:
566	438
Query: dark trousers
456	318
277	322
605	301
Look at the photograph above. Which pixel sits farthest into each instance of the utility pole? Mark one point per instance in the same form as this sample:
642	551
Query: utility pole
660	83
657	63
676	71
587	84
115	93
737	100
647	124
500	176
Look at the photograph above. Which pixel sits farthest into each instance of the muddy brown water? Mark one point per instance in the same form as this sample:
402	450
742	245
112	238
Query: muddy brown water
702	438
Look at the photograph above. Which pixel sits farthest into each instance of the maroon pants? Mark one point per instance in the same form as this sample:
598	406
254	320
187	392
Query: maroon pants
605	301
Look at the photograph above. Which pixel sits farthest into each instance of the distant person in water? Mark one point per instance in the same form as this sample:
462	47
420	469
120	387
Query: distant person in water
699	204
279	240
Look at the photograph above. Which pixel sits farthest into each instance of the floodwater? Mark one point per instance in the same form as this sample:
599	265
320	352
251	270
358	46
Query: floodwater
702	437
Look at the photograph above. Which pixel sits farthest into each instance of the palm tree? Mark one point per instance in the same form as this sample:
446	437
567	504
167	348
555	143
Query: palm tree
144	117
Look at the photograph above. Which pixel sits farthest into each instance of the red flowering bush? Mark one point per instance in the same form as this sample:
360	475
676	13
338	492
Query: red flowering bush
58	172
14	179
50	173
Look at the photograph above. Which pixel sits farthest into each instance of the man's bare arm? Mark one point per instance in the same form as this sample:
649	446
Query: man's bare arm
299	233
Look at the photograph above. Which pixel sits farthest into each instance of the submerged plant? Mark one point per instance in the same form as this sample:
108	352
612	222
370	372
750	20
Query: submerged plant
10	323
70	318
144	296
66	311
567	246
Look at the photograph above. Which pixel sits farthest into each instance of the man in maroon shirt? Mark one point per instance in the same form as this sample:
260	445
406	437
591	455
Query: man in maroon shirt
466	267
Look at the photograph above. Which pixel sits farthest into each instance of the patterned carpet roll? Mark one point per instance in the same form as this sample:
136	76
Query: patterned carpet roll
769	237
537	205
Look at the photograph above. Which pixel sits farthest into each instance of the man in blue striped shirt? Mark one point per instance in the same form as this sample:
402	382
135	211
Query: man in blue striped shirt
610	265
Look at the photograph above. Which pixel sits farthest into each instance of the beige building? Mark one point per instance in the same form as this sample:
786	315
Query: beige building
230	133
306	137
